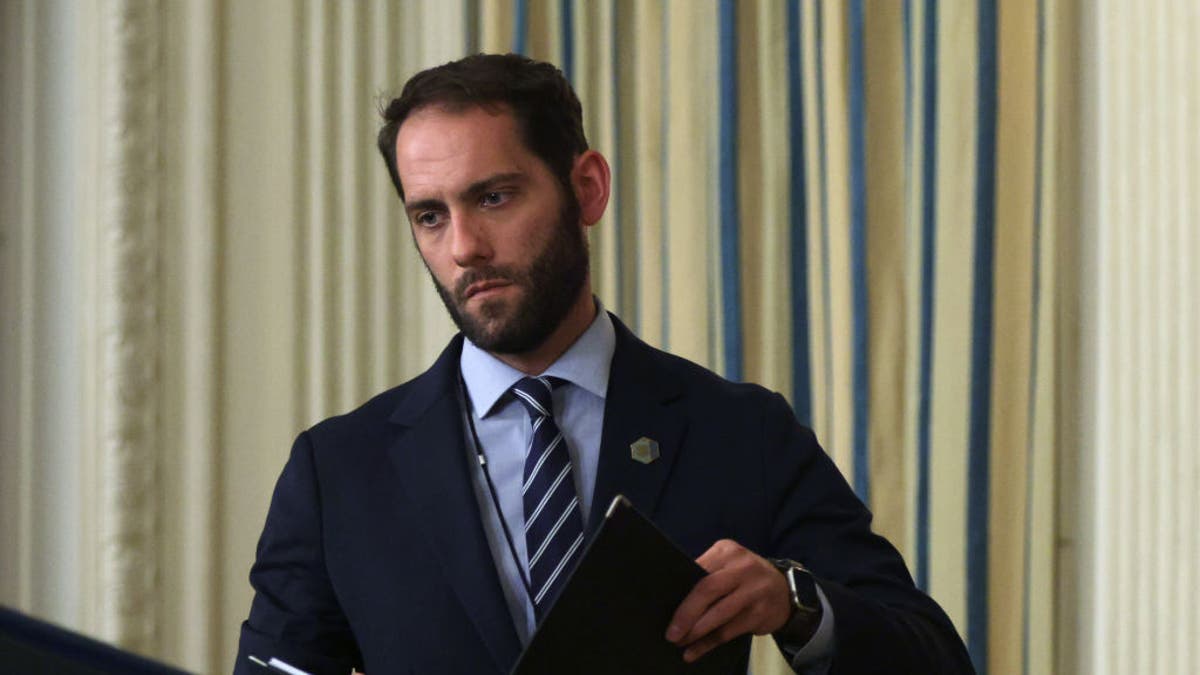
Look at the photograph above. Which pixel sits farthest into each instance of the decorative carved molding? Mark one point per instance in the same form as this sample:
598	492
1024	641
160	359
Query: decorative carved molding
129	317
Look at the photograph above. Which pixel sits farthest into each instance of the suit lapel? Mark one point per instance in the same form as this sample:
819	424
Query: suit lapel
433	471
639	403
431	460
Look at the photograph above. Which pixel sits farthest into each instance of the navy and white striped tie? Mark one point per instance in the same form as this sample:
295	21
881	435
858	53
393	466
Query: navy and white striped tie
553	516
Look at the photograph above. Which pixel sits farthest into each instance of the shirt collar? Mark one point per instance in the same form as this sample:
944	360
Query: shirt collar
585	364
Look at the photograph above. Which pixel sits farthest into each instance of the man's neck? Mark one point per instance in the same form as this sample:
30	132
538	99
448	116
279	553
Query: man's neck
577	320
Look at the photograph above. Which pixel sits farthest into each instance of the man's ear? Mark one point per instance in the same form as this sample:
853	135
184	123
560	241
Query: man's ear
591	180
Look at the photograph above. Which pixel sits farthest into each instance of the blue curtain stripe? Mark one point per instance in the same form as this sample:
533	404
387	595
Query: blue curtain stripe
520	26
979	478
798	222
730	247
858	255
566	17
929	119
1035	302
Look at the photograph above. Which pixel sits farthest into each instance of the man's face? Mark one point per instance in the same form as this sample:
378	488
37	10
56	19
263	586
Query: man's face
499	234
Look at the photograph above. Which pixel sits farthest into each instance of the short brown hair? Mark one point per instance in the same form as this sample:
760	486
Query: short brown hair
548	114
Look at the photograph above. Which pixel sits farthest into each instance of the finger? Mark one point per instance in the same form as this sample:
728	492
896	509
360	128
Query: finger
719	554
721	612
706	591
758	597
734	629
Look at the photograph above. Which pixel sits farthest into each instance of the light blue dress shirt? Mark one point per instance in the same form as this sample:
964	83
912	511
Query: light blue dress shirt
503	428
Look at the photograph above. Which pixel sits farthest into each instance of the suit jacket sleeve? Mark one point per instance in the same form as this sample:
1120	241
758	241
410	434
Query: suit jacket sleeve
295	615
883	623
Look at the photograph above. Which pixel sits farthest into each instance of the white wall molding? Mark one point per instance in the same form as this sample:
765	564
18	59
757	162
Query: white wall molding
129	442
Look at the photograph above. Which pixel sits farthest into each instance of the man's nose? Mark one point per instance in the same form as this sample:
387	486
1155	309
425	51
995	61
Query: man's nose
470	244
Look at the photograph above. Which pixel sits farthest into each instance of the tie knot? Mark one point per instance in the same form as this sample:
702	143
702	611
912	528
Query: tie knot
534	394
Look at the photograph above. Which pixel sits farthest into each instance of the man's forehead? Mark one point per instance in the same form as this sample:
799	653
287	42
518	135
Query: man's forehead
440	150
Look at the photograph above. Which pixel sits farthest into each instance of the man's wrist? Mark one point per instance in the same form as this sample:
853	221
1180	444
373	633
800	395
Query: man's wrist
798	629
806	606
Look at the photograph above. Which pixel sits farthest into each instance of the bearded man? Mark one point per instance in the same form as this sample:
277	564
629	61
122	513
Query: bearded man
430	530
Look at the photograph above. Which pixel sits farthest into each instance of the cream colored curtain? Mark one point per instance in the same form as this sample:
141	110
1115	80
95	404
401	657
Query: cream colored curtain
861	204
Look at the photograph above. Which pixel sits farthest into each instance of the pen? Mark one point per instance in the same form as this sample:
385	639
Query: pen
277	665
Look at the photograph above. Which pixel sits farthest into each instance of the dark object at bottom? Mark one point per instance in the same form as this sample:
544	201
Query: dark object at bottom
32	647
612	615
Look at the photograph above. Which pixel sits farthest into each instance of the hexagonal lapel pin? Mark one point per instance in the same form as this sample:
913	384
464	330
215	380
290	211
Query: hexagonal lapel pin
644	450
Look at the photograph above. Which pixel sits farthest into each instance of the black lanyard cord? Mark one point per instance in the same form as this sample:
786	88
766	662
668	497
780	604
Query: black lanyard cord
487	475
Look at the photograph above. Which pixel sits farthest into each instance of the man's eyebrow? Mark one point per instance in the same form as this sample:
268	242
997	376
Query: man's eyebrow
424	205
434	204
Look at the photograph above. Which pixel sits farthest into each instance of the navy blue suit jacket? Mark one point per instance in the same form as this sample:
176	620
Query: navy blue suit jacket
374	553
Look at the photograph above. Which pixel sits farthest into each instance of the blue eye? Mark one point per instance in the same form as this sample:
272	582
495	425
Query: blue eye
493	198
428	219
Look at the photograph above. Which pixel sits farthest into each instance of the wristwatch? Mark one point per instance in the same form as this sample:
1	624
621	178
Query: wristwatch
806	605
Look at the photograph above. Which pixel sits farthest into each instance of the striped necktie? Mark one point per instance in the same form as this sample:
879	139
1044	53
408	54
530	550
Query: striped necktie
553	516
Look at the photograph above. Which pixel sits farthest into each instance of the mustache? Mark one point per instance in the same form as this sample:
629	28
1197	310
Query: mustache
490	273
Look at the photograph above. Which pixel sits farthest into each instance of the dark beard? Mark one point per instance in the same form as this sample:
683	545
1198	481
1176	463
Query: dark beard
552	283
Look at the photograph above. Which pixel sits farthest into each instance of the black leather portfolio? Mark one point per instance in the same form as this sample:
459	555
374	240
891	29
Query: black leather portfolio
612	615
33	647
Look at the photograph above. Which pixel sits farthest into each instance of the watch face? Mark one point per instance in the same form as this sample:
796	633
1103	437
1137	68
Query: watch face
800	584
805	589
